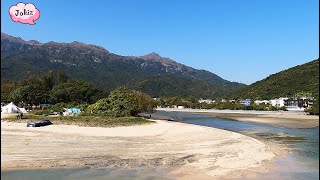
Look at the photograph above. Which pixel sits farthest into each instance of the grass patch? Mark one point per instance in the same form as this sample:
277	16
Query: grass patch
89	121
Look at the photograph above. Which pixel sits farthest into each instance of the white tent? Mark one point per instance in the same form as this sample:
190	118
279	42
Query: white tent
10	108
23	110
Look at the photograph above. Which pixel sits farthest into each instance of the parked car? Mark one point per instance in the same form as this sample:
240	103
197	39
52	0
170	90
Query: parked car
169	119
40	123
45	122
36	124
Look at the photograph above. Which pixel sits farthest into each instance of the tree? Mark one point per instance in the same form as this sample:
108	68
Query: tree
74	91
119	103
192	102
314	110
101	107
49	80
61	77
6	89
122	102
33	93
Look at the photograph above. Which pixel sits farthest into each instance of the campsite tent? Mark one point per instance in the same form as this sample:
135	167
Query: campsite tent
74	110
23	110
71	111
10	108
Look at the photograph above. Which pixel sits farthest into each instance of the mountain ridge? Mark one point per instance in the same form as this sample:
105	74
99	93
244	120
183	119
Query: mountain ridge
20	58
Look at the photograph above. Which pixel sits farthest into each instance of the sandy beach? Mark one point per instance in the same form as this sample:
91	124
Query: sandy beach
189	151
276	118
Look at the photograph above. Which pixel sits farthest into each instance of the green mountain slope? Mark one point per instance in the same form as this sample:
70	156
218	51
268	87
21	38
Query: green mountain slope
301	78
156	75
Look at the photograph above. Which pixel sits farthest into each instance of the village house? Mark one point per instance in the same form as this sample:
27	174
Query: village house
280	102
298	103
257	102
208	101
245	102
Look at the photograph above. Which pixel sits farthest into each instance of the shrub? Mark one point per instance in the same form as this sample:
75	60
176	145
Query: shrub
122	102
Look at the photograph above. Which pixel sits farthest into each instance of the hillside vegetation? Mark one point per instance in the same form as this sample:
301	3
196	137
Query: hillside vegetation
156	75
301	78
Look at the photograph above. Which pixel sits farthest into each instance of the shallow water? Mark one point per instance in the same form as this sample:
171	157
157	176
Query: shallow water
301	163
86	174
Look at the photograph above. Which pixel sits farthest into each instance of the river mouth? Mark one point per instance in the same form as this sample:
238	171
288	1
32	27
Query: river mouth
302	145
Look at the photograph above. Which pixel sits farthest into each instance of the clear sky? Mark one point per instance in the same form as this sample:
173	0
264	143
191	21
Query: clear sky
239	40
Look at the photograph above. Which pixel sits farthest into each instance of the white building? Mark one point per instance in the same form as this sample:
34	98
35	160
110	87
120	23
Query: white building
278	102
261	102
208	101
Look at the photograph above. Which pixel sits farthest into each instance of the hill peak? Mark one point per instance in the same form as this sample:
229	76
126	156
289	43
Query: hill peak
152	56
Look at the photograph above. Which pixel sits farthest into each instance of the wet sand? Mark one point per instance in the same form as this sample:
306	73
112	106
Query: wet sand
281	119
189	151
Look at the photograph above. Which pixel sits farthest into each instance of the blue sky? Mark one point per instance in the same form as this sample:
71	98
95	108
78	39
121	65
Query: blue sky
239	40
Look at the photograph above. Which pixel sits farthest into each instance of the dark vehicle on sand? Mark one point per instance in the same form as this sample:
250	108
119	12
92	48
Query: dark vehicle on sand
45	122
40	123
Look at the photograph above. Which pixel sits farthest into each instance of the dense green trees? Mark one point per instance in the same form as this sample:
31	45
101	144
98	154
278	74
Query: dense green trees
74	91
51	88
58	89
6	89
30	90
122	102
314	110
33	93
